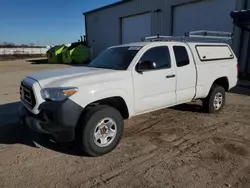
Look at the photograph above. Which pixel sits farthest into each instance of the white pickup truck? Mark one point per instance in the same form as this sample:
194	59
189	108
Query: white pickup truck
89	103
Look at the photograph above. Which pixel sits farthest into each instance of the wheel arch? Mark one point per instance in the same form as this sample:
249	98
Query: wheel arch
88	98
116	102
223	82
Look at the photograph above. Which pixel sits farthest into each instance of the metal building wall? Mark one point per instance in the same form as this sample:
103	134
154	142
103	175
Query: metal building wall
104	26
242	42
207	15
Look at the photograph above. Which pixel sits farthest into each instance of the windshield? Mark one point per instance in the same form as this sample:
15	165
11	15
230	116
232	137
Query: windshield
115	58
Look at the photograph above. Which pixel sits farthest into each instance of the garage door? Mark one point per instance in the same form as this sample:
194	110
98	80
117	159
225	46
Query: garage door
208	15
136	27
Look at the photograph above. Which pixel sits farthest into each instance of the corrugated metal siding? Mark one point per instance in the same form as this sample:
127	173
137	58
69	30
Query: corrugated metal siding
202	14
243	42
104	26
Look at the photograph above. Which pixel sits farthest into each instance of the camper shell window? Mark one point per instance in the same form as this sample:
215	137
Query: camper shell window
214	52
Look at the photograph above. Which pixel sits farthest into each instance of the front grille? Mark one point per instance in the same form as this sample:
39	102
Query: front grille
27	95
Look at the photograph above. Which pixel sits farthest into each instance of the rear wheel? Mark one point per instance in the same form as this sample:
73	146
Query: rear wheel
215	100
102	129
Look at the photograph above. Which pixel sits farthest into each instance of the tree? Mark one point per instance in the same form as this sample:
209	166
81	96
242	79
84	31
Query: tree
5	44
32	44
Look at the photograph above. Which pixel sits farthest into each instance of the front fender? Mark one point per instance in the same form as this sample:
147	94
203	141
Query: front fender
85	97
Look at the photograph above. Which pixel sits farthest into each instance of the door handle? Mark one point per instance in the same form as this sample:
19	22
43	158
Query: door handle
170	76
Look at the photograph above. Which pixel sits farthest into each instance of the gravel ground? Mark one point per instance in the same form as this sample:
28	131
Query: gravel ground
176	147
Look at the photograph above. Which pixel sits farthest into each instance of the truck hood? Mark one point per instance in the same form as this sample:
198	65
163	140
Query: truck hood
62	77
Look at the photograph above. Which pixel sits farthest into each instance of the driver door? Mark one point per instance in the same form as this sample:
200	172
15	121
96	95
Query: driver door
154	86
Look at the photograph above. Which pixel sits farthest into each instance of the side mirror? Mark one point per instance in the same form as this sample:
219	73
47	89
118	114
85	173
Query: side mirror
145	66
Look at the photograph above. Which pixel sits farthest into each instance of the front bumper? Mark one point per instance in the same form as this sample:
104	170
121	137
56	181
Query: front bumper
57	118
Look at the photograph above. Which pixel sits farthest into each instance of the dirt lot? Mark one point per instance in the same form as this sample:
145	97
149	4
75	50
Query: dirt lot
178	147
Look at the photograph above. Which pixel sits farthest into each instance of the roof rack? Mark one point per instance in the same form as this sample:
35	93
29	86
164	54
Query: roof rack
193	36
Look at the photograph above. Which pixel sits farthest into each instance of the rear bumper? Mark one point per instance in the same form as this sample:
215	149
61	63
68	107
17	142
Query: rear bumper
56	118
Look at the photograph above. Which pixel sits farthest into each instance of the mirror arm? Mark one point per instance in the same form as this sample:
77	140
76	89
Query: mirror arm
140	72
136	69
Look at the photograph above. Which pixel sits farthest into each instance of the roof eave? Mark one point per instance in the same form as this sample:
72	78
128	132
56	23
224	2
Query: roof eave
107	6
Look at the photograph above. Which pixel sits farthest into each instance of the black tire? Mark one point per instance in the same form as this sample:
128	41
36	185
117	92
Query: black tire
92	117
208	103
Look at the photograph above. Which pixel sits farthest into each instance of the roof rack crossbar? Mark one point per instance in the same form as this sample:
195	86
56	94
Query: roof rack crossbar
202	32
193	35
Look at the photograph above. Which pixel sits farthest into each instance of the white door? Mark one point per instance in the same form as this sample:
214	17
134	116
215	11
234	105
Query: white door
154	87
136	27
186	74
208	15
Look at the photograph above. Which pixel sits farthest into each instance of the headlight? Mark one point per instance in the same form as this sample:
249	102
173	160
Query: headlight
57	94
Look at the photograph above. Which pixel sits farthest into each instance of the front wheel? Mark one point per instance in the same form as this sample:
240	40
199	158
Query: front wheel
102	129
215	100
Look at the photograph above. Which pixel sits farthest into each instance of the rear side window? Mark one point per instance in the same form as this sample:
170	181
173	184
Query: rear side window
213	52
181	56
